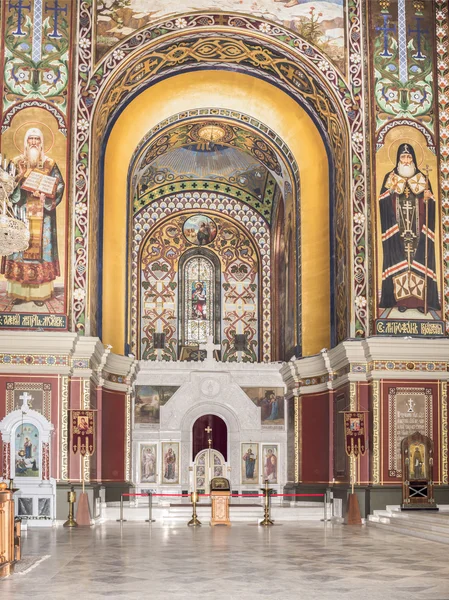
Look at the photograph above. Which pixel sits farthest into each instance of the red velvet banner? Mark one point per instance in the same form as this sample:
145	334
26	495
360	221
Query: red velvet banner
83	428
355	433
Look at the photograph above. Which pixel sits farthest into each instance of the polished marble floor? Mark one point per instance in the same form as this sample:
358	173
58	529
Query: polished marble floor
292	561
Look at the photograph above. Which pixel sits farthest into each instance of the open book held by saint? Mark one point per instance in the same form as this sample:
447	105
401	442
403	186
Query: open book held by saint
40	188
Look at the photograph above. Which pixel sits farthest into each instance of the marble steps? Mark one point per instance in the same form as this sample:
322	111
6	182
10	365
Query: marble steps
428	526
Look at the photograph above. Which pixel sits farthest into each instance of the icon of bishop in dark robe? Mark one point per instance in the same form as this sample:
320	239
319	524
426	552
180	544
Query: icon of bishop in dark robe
408	236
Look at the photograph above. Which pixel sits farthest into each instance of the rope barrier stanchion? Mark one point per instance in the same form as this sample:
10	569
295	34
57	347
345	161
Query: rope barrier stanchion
121	520
150	509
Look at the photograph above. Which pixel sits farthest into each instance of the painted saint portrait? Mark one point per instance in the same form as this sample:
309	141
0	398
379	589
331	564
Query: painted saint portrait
417	461
271	403
408	229
407	211
199	300
354	424
200	230
148	463
30	274
33	281
27	459
83	424
148	401
270	462
250	463
170	462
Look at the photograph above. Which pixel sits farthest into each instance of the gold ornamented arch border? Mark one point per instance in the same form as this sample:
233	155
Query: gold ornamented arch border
222	41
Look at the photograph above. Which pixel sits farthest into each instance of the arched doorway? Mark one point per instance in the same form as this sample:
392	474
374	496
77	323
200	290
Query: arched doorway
210	450
210	427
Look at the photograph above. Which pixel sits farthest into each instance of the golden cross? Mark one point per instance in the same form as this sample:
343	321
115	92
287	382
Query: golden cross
208	429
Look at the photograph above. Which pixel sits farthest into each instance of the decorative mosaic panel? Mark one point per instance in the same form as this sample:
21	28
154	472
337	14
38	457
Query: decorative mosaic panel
409	287
252	222
159	280
36	46
289	62
320	22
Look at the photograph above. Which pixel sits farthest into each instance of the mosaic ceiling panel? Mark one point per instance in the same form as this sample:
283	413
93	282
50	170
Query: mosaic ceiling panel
320	22
219	169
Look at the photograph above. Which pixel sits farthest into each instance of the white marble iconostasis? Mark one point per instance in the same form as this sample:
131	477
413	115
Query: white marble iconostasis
26	440
207	388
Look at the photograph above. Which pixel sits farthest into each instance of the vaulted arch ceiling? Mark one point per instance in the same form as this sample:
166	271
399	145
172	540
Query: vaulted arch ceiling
208	167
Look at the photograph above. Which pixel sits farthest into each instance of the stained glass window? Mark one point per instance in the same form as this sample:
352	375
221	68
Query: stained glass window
199	282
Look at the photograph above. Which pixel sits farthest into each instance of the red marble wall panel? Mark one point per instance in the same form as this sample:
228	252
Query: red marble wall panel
113	423
315	445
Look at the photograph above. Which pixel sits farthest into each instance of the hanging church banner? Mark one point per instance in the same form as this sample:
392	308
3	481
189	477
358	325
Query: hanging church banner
35	126
355	424
83	432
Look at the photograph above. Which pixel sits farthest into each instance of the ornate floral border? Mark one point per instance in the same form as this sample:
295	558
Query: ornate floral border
393	469
442	37
348	96
30	387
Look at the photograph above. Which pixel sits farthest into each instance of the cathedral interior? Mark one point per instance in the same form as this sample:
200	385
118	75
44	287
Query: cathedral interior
224	252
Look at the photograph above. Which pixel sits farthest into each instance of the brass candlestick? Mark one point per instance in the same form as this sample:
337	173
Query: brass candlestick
194	520
71	499
266	512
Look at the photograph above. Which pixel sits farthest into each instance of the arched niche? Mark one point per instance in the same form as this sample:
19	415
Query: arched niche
10	429
292	124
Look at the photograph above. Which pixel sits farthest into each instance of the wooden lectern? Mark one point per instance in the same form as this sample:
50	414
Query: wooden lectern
220	493
8	553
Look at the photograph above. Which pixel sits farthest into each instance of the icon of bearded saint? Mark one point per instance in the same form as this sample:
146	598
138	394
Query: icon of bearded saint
30	274
408	236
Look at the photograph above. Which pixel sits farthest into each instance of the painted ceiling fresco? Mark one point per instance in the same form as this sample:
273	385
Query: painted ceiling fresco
225	168
320	22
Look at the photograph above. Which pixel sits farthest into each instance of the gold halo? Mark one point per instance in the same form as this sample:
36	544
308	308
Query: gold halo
39	125
414	143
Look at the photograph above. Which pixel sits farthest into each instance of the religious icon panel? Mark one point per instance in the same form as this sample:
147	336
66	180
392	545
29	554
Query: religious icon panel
33	282
250	463
270	458
170	462
27	451
200	230
148	463
149	399
409	290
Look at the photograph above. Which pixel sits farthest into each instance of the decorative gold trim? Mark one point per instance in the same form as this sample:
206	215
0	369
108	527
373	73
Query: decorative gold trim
128	438
64	428
376	432
298	436
353	407
444	434
85	464
353	396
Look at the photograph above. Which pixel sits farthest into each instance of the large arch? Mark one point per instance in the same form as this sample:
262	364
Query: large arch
228	42
268	104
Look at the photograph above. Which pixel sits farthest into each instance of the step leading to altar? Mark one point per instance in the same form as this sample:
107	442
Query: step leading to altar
433	526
